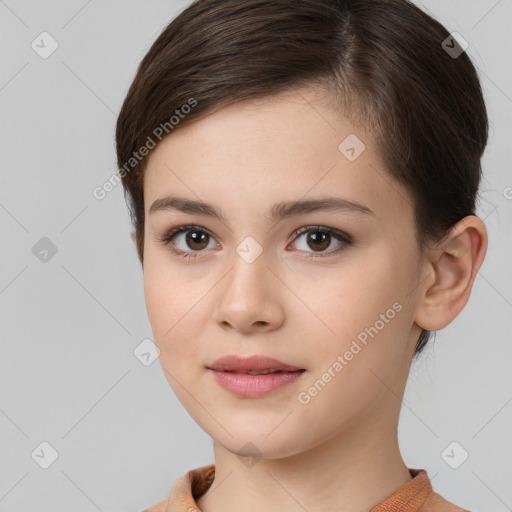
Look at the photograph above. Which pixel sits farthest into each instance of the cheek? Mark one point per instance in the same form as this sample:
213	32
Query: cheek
162	296
176	313
159	302
365	310
163	292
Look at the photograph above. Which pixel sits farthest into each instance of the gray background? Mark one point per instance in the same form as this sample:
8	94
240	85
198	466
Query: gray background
69	325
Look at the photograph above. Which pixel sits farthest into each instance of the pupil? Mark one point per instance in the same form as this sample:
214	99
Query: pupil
319	239
193	237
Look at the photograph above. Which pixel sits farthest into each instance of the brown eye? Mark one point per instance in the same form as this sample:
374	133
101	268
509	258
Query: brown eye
319	239
190	241
187	241
196	240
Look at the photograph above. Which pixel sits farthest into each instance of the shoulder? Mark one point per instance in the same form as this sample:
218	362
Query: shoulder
186	489
179	493
436	503
159	507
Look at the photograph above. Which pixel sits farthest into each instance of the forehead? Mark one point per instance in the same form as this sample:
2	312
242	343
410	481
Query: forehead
275	149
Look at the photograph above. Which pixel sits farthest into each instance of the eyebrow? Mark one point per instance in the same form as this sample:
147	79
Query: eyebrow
277	213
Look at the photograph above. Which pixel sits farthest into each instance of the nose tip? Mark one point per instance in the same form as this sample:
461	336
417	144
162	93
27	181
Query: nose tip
248	304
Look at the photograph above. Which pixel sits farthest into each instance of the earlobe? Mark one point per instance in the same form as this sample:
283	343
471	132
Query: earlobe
453	265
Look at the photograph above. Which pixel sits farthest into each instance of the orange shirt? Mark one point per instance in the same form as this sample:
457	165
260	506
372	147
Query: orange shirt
416	496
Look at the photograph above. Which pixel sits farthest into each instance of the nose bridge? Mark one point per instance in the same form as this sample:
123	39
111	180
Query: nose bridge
249	294
249	273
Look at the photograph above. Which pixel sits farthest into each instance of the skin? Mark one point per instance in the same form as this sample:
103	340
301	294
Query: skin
340	450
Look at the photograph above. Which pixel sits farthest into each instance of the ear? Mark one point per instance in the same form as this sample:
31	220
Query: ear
451	267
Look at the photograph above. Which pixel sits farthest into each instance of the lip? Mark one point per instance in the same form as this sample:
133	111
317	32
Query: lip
237	363
245	385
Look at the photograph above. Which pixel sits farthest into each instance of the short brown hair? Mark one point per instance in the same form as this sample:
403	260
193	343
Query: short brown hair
384	61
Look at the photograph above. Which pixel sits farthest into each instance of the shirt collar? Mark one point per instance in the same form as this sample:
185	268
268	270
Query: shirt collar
193	484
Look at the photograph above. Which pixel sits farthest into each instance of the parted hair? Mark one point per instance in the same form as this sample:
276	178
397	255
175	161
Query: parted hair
392	69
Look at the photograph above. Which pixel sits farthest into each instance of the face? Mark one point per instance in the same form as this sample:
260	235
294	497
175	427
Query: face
329	291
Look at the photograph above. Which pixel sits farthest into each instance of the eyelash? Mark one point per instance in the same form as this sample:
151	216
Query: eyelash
338	235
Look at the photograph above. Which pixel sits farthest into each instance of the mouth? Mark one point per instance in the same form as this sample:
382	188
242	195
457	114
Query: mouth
259	372
253	365
255	376
255	384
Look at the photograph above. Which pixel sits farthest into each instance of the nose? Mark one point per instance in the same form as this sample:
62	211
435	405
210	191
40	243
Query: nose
250	298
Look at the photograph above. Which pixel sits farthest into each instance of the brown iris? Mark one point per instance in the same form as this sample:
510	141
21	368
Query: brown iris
197	237
319	240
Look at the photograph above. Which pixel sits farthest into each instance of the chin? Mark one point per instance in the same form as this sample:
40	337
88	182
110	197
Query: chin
258	446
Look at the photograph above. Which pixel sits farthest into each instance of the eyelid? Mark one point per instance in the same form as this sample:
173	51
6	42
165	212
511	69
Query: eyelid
341	236
325	229
181	228
184	227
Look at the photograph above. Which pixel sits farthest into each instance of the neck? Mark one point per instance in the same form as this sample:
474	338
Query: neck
352	472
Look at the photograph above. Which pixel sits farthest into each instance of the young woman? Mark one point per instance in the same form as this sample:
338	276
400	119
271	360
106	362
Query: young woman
302	178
